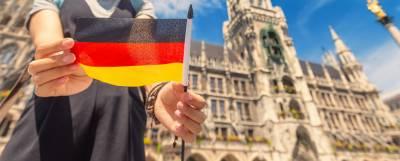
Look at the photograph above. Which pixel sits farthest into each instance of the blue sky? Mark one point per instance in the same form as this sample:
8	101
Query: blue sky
308	25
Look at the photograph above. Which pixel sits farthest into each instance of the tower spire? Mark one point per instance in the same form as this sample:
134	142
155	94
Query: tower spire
352	68
344	53
341	47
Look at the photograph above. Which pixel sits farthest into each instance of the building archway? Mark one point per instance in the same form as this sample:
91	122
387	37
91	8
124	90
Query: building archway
259	159
196	157
304	149
229	157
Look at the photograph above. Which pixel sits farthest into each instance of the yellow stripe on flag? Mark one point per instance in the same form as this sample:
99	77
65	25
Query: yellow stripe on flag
134	76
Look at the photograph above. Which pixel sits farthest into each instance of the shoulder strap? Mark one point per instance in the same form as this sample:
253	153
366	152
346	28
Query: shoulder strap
58	3
137	4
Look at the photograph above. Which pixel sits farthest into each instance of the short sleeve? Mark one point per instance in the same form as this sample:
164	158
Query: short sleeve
39	5
144	7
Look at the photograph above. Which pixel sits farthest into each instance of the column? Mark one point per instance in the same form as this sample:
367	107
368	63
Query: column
345	128
362	127
394	31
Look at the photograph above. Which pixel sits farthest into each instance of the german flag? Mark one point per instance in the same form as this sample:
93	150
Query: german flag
131	52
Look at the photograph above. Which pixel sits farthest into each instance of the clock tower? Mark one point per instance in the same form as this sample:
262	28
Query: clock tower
258	33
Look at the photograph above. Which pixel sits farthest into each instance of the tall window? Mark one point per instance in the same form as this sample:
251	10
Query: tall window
216	85
220	85
214	108
244	88
236	87
194	81
275	86
221	133
218	108
244	111
222	112
240	87
8	53
212	84
5	126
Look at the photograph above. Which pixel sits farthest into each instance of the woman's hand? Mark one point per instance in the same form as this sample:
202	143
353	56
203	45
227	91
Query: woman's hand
54	72
179	111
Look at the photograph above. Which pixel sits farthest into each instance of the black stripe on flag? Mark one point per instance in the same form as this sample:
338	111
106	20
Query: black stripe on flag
130	30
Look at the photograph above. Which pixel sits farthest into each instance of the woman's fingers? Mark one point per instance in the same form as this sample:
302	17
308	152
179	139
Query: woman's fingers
191	125
190	98
195	100
47	89
55	73
193	114
184	133
55	61
53	47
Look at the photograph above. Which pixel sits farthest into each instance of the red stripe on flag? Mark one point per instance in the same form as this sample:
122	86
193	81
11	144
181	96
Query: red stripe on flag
107	54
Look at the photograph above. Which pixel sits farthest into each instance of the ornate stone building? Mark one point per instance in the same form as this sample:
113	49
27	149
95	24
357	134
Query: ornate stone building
394	105
15	51
264	104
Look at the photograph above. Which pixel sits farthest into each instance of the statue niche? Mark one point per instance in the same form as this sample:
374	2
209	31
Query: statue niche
304	149
272	46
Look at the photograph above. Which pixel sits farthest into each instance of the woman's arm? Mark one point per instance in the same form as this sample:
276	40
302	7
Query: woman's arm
45	27
53	70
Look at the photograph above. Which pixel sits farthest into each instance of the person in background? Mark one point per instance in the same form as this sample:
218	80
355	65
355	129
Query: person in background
72	117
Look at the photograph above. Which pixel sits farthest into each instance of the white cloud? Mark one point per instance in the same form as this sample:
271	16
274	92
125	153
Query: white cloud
178	8
312	7
382	66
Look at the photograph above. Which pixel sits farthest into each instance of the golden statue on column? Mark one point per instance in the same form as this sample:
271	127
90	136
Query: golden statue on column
384	19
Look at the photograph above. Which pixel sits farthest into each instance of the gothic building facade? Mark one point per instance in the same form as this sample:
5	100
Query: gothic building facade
264	104
394	105
15	51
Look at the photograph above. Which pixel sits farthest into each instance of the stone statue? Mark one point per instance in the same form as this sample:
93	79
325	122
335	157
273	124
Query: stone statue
376	8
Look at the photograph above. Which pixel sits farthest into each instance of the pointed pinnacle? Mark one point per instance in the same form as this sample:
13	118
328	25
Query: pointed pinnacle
190	12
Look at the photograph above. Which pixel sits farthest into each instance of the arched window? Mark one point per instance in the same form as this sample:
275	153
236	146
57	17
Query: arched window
196	157
20	22
229	157
259	159
8	53
288	85
295	110
150	158
5	20
272	46
275	86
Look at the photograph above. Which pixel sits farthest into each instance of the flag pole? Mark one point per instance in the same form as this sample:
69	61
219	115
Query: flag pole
188	40
186	62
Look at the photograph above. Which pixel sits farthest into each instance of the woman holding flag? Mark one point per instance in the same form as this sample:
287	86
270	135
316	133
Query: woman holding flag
73	117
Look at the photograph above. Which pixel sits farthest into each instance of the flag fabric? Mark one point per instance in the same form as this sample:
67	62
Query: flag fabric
131	52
